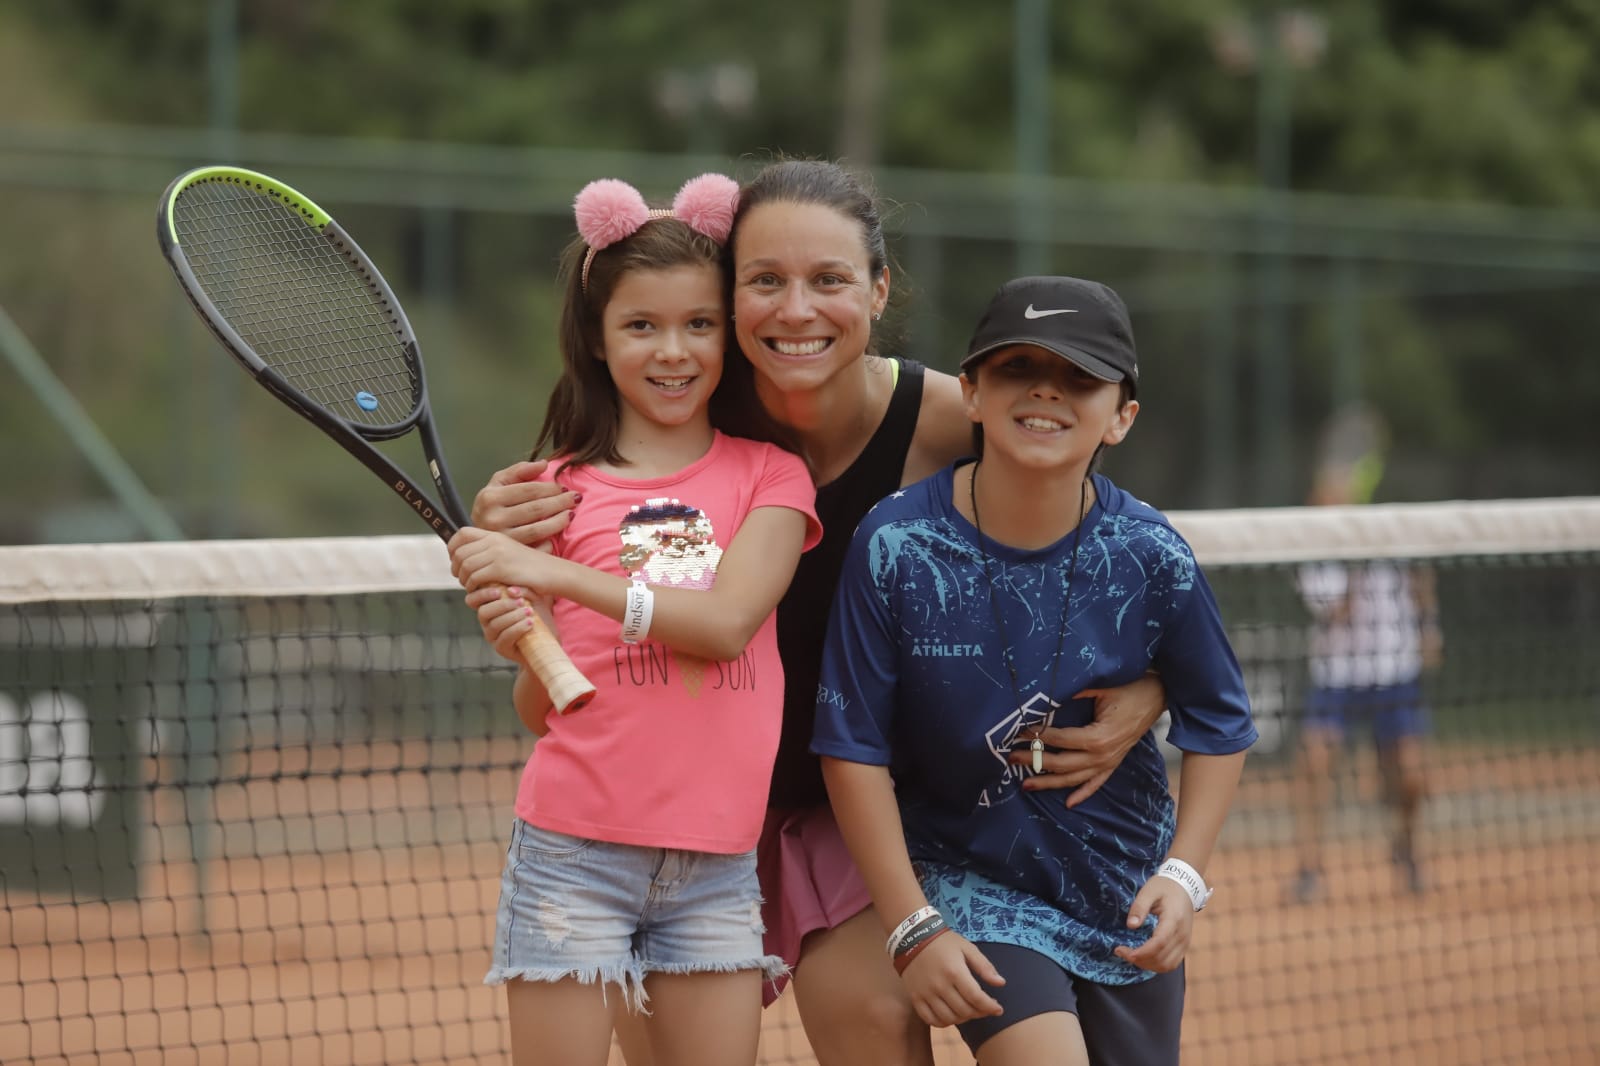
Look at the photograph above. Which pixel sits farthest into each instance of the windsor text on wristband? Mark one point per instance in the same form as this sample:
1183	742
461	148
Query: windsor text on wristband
637	612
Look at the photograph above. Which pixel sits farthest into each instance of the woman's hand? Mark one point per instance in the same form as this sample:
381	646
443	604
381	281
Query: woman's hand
943	981
1170	902
526	510
1091	753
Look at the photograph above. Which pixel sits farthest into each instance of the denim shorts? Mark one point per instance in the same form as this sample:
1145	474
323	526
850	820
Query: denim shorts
571	907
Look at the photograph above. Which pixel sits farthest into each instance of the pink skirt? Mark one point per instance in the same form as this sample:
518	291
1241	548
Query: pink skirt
808	882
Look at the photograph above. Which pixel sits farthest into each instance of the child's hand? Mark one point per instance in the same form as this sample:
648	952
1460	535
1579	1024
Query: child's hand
1165	949
479	558
505	615
943	981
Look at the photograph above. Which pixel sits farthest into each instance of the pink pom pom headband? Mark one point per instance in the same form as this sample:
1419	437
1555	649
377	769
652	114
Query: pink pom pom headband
609	210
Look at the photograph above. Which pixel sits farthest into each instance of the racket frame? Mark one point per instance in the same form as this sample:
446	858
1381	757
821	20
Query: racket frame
568	688
443	515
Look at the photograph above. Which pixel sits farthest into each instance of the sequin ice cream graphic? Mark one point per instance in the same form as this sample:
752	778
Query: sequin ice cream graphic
671	544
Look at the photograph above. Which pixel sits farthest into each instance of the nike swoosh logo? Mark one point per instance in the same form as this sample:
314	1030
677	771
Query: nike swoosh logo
1031	313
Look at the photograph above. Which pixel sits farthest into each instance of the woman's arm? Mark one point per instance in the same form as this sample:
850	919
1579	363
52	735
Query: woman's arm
943	433
715	623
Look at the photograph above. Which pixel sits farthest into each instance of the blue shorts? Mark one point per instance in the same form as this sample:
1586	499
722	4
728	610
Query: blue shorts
1391	711
593	911
1123	1025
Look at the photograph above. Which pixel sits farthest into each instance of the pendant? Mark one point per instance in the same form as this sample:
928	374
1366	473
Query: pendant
1037	747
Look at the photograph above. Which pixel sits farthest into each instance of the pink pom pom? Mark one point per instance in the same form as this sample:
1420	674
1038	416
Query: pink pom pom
707	204
607	211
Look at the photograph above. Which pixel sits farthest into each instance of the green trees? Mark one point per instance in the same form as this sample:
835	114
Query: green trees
1169	113
1460	100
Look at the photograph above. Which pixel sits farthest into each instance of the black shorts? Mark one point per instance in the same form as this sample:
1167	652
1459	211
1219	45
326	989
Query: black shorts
1123	1025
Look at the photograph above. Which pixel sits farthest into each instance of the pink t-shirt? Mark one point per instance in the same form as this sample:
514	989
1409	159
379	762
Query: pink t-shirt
674	751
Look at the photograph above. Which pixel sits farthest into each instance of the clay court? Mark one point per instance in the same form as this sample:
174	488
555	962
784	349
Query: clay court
372	949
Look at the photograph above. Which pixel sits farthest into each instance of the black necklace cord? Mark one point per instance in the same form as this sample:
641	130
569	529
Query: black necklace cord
994	606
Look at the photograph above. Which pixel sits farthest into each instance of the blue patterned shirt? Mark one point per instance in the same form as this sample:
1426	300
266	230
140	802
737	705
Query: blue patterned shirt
914	677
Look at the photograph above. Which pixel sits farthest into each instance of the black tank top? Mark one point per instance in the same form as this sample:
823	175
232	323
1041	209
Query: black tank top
803	612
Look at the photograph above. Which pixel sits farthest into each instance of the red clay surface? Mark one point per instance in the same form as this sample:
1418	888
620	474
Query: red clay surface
376	955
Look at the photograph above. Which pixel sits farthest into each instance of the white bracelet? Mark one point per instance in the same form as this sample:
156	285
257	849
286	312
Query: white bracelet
636	613
1187	876
900	931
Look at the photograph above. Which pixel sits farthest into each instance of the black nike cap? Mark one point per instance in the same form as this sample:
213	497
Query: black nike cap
1084	322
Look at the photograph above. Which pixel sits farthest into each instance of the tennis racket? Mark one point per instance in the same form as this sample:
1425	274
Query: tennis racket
302	308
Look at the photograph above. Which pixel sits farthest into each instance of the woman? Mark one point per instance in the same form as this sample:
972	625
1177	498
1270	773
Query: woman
810	277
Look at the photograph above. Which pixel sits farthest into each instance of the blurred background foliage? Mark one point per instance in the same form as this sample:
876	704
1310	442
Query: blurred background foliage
1304	205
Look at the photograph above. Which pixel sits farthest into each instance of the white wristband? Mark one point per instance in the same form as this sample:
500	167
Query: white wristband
900	931
636	613
1187	876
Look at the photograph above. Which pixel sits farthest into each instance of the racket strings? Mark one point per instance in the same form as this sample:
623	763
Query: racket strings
307	310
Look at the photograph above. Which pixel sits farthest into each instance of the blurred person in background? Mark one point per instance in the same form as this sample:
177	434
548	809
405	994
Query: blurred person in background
810	281
1375	631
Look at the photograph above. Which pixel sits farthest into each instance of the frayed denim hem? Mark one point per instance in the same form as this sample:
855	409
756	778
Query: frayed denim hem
627	976
772	967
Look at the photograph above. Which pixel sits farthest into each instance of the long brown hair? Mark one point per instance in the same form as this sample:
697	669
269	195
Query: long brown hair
584	415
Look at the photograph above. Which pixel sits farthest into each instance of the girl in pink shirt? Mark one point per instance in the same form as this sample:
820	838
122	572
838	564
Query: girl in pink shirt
632	859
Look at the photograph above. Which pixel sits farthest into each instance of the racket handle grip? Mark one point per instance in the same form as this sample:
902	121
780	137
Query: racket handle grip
569	690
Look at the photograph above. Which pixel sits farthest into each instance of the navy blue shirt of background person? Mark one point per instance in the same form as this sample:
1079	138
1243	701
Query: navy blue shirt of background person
914	678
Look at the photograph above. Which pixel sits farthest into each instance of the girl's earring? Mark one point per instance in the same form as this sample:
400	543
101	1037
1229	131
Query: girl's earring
876	315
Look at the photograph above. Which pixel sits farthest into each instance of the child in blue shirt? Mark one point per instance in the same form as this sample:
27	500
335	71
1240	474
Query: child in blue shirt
973	604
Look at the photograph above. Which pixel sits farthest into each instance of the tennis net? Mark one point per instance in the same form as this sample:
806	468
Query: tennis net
254	798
